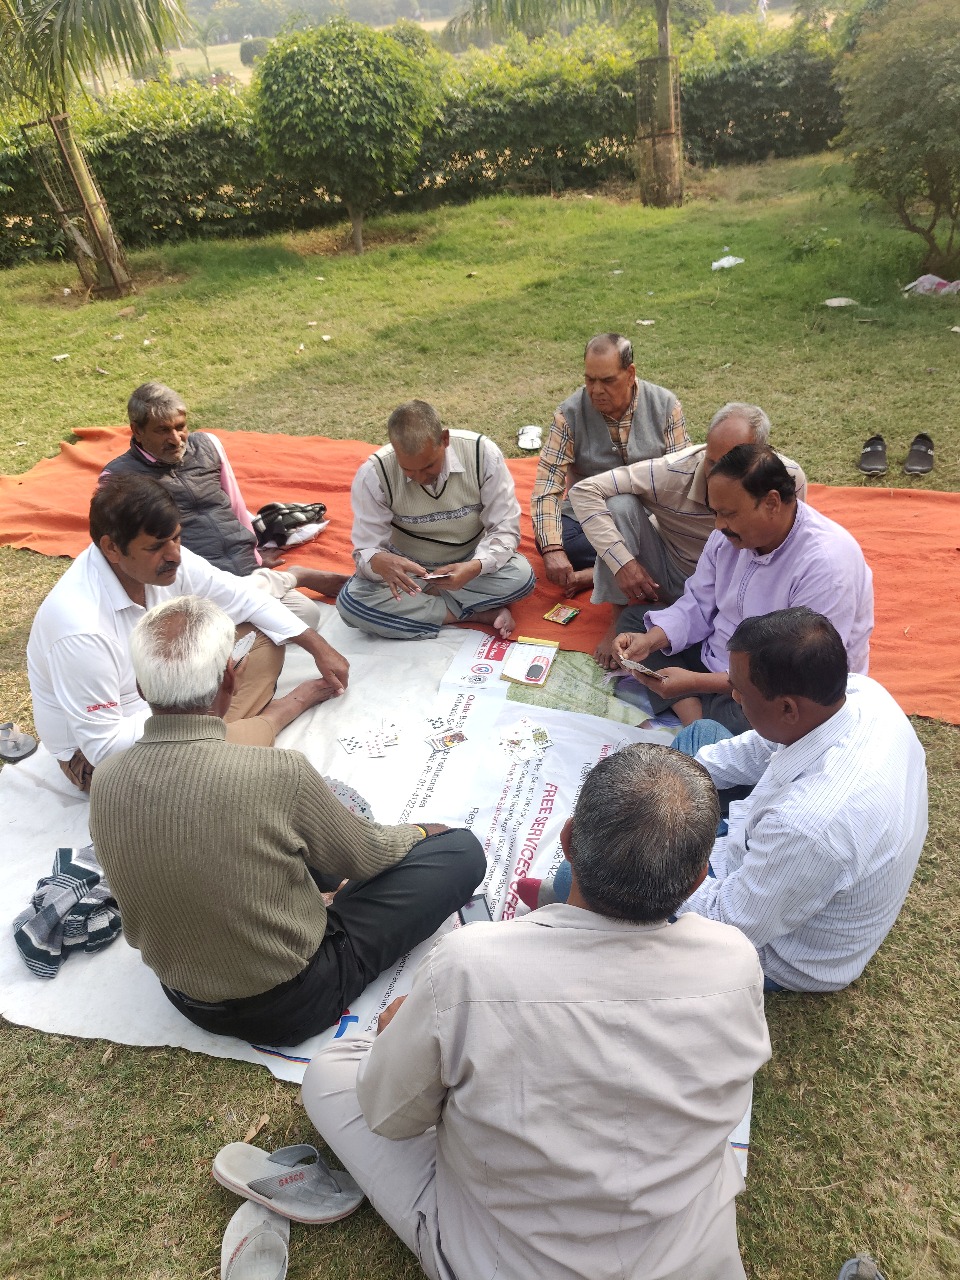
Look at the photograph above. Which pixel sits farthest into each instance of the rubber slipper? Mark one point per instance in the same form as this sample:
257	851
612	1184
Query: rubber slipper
873	457
862	1267
530	437
285	1183
920	458
255	1245
15	745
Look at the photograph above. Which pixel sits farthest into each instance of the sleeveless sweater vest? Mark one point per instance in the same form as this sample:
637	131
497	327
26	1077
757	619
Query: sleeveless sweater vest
435	530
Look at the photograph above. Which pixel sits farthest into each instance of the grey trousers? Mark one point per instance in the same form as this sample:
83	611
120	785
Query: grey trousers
646	545
369	606
399	1179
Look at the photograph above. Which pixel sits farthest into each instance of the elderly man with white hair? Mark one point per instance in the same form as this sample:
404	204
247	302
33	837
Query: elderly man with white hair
649	521
219	853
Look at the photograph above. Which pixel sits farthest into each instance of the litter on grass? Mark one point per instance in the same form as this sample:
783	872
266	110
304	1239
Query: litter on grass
932	284
841	302
722	264
646	322
57	359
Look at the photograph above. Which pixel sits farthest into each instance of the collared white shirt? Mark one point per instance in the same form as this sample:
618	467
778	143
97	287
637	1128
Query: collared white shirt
78	655
500	514
818	870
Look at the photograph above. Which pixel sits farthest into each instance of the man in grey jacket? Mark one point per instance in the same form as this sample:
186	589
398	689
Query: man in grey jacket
554	1098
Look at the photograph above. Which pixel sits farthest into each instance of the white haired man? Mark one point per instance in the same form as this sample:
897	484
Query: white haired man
648	522
218	854
554	1098
436	526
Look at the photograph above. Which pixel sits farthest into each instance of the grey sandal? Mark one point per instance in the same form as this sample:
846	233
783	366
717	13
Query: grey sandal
285	1182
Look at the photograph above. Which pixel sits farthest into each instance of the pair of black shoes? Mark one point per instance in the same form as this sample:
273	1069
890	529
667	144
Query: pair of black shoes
873	458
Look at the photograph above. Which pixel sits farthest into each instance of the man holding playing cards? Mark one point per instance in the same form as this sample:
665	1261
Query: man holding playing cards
436	526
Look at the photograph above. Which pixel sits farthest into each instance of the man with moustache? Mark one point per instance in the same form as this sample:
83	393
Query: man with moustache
194	469
613	420
767	552
86	703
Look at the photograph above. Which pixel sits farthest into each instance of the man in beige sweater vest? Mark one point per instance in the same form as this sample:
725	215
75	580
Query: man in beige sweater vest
436	526
219	853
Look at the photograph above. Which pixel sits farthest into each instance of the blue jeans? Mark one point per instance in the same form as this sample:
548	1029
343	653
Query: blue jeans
689	740
580	550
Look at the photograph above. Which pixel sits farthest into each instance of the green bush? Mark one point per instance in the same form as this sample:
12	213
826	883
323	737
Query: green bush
173	161
783	103
251	50
533	115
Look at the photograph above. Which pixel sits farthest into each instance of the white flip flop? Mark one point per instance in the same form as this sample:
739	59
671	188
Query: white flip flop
255	1245
293	1181
530	437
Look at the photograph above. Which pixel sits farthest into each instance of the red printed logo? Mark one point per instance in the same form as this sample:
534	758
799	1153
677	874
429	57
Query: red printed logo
102	706
291	1177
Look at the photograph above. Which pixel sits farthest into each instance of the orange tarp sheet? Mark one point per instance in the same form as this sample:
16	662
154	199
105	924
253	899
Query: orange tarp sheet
910	538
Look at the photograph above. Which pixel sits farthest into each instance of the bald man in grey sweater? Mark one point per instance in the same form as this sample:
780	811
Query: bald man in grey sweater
218	854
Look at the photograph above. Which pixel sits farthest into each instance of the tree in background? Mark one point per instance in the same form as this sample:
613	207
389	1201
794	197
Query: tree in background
344	108
46	46
663	184
253	49
203	33
901	94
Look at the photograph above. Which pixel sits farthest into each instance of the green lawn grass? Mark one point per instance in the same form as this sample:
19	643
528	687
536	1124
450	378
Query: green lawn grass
484	310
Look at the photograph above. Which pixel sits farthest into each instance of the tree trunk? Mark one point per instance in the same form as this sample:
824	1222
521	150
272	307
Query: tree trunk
356	219
111	269
667	186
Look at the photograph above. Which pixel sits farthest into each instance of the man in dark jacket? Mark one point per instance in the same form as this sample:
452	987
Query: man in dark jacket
195	471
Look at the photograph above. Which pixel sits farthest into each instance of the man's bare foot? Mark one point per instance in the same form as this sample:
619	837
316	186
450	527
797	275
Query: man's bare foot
501	620
324	584
687	710
582	581
283	711
603	654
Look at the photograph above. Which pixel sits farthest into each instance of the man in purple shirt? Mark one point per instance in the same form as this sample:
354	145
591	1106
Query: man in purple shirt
767	552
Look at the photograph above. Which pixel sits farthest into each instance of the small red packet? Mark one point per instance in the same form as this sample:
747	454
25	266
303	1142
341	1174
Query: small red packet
561	613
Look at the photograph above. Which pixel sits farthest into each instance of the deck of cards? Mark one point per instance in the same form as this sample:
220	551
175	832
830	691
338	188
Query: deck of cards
373	740
526	741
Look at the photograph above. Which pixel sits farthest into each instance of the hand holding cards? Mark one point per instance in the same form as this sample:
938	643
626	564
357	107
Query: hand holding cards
629	665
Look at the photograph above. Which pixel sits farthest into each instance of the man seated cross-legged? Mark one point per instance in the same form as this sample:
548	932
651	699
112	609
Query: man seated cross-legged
555	1097
768	551
219	854
436	526
86	704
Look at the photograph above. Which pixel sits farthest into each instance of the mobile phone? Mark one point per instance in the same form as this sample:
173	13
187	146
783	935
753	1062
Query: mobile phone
434	577
536	669
476	910
243	647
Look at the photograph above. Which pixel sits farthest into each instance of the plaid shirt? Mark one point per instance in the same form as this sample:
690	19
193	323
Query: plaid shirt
556	456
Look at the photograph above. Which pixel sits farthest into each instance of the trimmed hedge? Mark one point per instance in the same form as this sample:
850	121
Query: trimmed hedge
781	104
178	160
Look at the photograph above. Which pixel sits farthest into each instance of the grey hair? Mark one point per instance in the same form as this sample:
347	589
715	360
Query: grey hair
153	402
414	425
752	414
642	832
180	651
601	342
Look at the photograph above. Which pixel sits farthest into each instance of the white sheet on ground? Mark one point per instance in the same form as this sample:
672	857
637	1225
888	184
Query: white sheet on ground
512	783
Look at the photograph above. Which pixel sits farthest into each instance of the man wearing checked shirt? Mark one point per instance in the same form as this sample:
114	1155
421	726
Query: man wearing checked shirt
612	420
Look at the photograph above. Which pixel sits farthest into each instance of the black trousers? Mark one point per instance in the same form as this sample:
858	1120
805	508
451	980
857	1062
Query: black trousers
371	924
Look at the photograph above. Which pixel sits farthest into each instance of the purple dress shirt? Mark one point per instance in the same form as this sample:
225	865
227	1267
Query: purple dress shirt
819	565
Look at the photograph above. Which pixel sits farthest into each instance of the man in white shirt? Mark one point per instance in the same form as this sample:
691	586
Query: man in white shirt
86	703
648	522
436	526
819	858
554	1098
